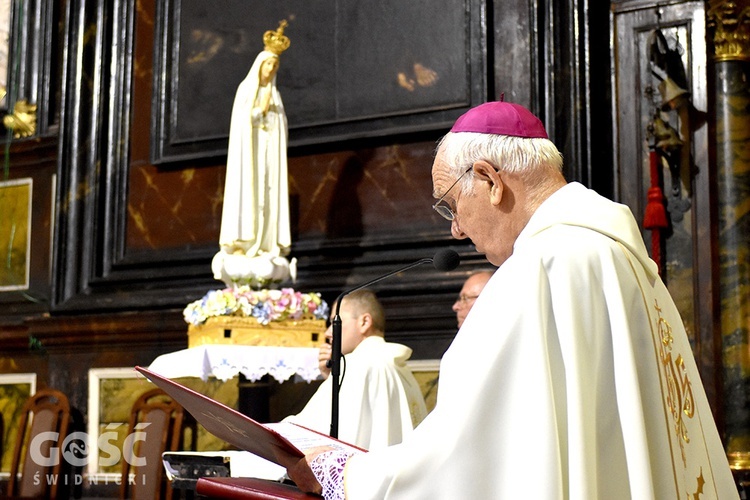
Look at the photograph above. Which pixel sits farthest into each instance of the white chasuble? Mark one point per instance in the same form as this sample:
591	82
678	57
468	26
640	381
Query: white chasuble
380	401
571	378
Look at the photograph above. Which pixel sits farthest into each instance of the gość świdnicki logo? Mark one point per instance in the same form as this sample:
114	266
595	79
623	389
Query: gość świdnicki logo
77	452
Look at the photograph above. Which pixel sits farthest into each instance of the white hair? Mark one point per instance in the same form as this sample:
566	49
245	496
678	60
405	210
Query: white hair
534	159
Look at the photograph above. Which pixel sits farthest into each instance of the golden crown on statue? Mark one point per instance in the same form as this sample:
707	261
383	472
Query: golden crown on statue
276	41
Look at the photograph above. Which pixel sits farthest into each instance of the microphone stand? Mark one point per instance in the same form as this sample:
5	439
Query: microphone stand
336	343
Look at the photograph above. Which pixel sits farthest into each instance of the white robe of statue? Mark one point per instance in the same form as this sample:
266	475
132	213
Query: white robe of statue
255	214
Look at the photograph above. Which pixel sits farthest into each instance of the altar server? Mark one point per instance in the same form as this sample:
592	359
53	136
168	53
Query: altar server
380	401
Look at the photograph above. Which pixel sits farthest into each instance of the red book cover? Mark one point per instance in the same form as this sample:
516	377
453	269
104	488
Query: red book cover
249	488
242	431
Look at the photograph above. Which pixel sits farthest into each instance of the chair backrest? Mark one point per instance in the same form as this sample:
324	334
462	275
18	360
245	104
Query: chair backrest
156	422
46	411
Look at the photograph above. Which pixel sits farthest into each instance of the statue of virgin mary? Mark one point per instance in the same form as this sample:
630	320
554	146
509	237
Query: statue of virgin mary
255	236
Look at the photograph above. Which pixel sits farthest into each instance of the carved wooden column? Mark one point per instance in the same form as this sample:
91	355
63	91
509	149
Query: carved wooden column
729	25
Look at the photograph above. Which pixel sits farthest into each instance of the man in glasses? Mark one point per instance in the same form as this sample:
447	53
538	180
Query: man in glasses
469	292
573	376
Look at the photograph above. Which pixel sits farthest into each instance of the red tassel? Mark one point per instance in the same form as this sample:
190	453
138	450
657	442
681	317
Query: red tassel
655	215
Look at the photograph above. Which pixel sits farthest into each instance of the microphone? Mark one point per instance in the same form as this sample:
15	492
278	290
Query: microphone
444	260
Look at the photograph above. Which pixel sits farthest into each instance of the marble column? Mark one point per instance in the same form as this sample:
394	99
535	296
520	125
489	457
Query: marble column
729	46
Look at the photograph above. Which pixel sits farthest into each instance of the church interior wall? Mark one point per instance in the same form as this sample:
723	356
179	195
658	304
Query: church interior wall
120	241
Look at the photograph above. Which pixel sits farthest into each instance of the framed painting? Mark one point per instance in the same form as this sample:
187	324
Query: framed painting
15	231
427	372
15	389
112	392
352	70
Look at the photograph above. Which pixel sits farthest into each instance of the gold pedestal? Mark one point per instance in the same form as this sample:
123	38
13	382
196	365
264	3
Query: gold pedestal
238	330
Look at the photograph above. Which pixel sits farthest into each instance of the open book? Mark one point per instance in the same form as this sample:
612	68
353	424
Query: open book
281	443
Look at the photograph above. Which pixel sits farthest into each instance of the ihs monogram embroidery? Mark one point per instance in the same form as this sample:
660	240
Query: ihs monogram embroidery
679	388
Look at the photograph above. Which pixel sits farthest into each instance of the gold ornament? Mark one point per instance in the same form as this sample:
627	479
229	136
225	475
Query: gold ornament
729	20
23	119
276	41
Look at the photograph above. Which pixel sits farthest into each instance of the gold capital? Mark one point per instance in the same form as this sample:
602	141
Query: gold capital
729	23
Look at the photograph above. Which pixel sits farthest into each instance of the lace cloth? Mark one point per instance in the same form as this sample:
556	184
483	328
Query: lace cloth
226	361
328	468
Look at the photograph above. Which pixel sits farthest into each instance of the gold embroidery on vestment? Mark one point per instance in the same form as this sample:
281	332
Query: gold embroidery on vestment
680	399
699	488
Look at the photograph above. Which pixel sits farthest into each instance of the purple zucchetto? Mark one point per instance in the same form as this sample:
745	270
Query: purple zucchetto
501	118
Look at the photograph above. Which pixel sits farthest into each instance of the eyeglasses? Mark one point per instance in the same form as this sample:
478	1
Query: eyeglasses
444	210
463	299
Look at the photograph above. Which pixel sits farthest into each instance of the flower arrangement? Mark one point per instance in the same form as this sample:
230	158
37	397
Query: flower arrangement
263	305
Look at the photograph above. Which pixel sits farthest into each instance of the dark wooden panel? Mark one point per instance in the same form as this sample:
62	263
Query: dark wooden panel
102	129
13	338
365	196
34	59
339	79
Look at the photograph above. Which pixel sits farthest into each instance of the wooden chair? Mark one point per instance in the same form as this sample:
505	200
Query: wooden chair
46	411
160	419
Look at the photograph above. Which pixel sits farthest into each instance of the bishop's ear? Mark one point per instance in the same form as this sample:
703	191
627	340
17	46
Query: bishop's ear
491	180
